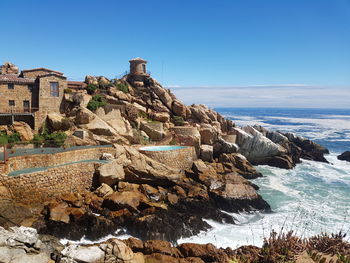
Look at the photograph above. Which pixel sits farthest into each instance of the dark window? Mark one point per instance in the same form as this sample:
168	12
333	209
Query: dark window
26	105
30	87
11	103
54	89
10	86
144	68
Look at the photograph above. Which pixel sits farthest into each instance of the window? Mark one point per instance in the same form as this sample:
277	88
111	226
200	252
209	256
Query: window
31	87
11	103
26	105
10	86
54	89
144	68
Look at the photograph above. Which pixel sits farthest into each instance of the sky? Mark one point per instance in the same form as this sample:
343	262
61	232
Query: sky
231	46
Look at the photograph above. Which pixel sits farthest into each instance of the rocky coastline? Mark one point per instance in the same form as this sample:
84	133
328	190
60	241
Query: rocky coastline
152	201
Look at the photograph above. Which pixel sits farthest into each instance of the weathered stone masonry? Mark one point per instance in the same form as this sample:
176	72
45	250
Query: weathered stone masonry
54	182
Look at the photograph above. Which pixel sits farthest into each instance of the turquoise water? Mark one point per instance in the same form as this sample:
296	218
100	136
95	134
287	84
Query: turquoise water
312	198
162	148
48	150
40	169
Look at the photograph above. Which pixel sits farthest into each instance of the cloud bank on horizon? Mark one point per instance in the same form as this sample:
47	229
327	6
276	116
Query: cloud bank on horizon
267	96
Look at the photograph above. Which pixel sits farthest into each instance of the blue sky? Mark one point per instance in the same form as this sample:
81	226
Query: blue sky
188	43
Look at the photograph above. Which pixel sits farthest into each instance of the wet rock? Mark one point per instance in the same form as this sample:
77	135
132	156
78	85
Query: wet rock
345	156
238	163
160	246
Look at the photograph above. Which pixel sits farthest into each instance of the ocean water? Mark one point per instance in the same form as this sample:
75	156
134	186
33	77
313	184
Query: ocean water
310	199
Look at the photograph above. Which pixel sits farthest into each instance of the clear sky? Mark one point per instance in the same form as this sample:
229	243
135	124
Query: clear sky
188	43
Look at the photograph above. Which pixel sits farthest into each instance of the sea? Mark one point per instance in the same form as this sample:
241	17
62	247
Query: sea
311	199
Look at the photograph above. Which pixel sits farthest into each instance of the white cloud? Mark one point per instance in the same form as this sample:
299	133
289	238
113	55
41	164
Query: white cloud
286	95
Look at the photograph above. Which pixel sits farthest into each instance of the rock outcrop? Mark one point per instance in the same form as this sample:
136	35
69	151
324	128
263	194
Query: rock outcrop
345	156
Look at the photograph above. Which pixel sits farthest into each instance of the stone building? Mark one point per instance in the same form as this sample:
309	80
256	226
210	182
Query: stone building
138	66
29	95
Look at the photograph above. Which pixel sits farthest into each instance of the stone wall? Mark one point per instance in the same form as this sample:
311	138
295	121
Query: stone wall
47	160
180	158
55	182
20	93
48	103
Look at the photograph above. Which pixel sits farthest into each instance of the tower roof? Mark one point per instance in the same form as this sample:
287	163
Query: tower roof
138	59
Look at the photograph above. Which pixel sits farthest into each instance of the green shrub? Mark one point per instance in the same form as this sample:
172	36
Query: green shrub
68	90
122	86
91	88
55	139
96	102
178	120
3	138
14	137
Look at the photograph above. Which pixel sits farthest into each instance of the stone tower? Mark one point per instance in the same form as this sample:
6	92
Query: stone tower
138	67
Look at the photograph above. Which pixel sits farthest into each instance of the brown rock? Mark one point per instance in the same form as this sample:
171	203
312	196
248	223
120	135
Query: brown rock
104	190
124	186
135	244
179	109
173	199
208	252
238	163
59	213
128	199
160	246
206	153
24	130
179	191
208	136
160	258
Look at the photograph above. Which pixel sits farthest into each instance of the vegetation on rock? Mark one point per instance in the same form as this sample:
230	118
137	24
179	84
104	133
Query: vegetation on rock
96	102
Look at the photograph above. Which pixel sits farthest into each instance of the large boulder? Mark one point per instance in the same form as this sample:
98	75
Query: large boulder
163	95
154	130
207	252
58	122
345	156
79	98
142	169
236	162
208	135
126	199
84	116
22	245
206	153
255	146
91	80
111	173
221	146
83	254
114	118
179	109
24	130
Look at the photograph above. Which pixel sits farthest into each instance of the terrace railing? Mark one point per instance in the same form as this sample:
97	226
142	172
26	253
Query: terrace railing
18	110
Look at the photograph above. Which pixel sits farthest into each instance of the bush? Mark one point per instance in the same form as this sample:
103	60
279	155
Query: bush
3	138
91	88
122	86
178	120
14	137
68	90
96	102
55	139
